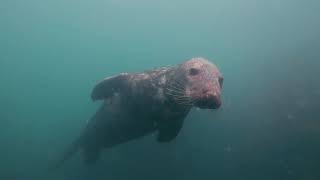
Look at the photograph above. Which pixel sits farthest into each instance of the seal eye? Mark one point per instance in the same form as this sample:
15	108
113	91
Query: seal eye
193	71
221	81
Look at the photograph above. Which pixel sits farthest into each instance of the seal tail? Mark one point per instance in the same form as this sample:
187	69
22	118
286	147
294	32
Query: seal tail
71	150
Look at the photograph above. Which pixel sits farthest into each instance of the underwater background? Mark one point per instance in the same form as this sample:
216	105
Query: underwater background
52	52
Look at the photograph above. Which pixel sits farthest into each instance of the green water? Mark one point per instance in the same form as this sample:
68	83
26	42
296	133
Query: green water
52	52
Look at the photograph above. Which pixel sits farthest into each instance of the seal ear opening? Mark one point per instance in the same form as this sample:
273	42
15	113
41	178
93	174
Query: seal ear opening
108	86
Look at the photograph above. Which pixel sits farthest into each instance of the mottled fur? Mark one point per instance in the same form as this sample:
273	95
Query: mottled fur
138	104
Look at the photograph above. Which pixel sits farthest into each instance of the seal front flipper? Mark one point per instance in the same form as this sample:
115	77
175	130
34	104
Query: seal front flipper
108	86
169	130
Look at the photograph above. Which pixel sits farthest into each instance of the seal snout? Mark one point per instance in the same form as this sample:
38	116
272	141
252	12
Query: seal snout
209	101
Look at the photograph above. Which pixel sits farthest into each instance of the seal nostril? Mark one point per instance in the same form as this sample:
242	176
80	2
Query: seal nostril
205	91
217	102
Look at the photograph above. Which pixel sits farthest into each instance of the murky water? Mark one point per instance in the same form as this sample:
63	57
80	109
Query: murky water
53	52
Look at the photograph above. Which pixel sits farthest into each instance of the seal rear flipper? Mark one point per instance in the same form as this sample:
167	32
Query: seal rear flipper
108	86
169	130
72	149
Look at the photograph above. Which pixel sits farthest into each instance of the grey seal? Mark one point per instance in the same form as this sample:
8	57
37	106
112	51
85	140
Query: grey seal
137	104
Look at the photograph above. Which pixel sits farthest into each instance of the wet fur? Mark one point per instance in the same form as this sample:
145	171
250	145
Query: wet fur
135	105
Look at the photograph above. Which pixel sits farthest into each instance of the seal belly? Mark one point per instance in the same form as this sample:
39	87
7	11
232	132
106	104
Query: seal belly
108	128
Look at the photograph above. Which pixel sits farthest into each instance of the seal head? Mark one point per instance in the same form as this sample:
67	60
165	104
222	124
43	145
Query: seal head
197	82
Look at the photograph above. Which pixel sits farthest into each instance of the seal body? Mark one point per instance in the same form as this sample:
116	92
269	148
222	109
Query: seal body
137	104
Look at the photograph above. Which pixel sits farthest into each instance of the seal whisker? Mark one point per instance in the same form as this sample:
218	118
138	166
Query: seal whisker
173	89
191	100
185	99
180	82
183	103
176	92
178	95
181	98
176	86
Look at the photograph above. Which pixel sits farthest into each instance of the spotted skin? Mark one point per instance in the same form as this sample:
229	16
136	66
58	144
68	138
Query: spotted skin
137	104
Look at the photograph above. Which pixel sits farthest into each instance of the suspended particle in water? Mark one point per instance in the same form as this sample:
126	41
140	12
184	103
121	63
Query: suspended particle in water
290	116
302	103
228	149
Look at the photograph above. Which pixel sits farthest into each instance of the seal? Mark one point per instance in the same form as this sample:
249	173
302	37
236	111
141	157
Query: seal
137	104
